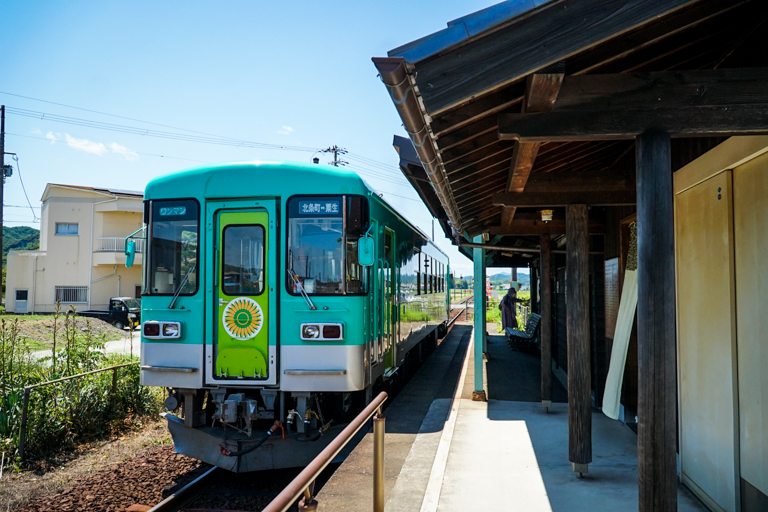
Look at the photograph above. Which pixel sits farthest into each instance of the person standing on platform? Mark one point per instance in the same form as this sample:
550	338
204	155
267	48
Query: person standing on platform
508	307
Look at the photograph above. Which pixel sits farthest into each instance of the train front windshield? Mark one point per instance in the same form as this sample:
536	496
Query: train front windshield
322	243
173	250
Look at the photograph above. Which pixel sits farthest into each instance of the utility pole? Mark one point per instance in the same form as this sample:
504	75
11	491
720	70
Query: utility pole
2	181
336	150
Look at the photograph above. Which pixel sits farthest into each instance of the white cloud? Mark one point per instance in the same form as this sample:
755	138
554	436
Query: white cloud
92	147
89	146
122	150
287	130
36	131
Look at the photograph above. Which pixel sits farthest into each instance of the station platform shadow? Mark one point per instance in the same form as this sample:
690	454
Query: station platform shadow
516	375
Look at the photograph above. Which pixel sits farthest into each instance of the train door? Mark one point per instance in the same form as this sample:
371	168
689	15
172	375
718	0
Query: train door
243	306
388	298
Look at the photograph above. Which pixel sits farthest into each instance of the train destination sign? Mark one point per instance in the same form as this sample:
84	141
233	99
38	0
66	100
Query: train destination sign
320	207
173	211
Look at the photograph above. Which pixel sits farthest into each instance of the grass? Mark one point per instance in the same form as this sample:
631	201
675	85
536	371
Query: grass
64	414
37	330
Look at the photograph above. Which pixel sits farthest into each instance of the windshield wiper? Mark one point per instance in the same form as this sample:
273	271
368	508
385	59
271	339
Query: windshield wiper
302	291
181	286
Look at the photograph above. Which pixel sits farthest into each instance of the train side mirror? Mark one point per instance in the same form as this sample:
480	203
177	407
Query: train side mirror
365	251
130	252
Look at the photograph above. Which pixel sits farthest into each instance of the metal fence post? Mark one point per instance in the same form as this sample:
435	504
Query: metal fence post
114	391
378	463
23	430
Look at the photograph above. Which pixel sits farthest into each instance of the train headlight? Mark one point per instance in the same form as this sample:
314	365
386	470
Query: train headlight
155	330
172	330
310	332
322	332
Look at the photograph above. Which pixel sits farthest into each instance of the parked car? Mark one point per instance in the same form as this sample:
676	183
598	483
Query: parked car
122	311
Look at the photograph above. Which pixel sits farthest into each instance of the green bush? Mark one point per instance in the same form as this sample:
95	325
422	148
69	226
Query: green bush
62	414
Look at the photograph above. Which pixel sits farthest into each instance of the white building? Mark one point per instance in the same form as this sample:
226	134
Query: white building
80	261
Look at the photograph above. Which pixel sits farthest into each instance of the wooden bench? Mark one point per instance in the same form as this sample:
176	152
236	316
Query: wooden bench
518	338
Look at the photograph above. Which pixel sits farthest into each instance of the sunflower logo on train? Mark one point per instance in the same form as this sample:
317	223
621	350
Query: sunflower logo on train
243	318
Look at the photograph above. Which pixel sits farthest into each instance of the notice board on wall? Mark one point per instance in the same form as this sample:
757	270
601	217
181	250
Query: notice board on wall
612	296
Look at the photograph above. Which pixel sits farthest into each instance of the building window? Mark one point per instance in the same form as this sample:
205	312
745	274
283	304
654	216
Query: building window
66	228
71	294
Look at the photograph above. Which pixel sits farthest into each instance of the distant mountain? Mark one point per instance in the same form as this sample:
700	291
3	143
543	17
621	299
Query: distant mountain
504	277
22	238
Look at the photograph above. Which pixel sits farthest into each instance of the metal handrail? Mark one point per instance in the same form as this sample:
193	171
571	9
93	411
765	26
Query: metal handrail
28	390
304	483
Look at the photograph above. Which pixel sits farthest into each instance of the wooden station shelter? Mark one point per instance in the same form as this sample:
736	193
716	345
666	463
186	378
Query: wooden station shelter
641	125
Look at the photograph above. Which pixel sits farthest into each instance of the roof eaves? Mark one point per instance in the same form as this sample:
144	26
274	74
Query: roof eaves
464	28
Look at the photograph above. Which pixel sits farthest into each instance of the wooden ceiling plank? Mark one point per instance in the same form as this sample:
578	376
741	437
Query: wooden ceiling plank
489	154
467	133
472	145
569	159
477	109
511	52
657	33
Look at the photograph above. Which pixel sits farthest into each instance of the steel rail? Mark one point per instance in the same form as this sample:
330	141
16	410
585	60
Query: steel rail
183	496
304	483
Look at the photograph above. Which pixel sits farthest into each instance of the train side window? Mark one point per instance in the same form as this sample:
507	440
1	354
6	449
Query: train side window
356	224
418	273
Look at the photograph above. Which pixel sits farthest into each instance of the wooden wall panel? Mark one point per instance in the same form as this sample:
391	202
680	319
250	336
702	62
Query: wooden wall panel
706	341
750	189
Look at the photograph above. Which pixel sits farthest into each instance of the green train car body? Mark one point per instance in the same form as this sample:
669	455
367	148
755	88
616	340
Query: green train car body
255	307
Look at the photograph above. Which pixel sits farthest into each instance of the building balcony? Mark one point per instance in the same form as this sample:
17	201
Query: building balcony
110	250
116	244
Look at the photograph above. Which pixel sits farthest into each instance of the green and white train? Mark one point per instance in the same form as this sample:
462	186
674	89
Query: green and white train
279	292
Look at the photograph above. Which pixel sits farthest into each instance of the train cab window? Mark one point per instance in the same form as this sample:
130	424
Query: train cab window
243	269
317	236
173	243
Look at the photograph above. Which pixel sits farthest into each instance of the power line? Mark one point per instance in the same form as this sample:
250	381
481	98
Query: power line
18	168
137	152
134	130
116	116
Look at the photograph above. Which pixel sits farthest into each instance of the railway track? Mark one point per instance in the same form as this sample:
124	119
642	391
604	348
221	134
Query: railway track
220	490
179	499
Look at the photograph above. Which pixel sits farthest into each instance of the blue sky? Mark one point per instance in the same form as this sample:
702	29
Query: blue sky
282	73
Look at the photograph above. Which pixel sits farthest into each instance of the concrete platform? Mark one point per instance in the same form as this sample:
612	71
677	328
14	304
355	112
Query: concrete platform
469	456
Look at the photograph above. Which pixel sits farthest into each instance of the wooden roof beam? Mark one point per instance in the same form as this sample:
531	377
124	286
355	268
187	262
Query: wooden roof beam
541	91
683	103
554	199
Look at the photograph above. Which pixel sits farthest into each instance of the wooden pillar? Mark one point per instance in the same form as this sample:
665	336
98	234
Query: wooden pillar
478	256
546	322
577	295
657	387
534	280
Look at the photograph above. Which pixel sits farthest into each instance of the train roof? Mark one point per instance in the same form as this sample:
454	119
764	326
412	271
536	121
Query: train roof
264	178
256	178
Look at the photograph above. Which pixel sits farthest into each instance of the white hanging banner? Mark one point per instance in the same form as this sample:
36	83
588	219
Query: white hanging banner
626	318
